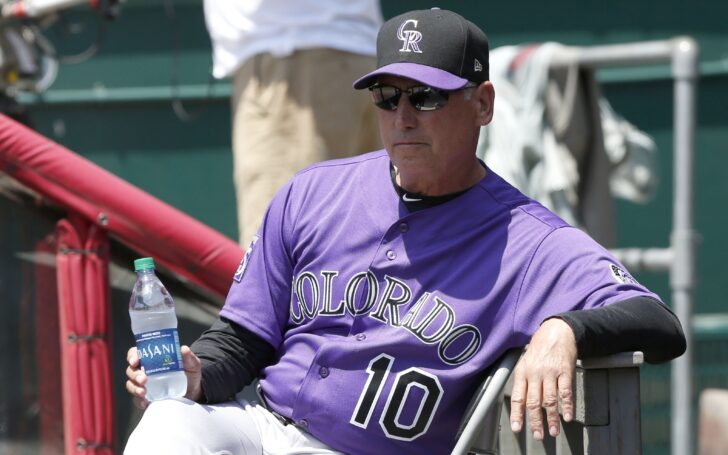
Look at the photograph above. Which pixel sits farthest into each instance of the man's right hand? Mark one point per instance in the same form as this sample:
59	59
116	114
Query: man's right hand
543	378
136	379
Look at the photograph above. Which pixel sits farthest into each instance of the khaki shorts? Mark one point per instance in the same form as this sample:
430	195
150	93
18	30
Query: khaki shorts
291	112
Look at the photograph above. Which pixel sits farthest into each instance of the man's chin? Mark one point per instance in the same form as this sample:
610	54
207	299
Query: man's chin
411	174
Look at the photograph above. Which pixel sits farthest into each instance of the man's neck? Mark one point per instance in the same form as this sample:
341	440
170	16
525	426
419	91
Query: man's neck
451	184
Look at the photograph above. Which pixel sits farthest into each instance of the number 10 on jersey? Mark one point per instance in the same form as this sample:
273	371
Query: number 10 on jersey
390	421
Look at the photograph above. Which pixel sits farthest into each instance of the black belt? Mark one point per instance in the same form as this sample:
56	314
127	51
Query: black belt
281	418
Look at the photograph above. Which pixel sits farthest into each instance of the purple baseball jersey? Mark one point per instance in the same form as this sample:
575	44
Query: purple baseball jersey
384	320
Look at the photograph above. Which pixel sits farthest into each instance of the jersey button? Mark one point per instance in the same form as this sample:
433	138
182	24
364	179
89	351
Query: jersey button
323	372
303	423
404	227
361	336
391	255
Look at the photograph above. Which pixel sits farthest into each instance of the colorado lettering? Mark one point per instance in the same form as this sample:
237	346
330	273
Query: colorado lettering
430	319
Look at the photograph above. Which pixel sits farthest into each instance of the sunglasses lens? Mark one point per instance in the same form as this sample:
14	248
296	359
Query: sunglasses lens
386	97
421	98
428	98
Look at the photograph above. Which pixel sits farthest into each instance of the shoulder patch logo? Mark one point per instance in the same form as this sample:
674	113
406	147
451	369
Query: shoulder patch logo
244	263
621	275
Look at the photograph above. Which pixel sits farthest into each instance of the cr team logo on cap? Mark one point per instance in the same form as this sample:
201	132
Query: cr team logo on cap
409	38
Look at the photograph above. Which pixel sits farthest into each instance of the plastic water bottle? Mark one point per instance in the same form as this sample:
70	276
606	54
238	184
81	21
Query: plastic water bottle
154	324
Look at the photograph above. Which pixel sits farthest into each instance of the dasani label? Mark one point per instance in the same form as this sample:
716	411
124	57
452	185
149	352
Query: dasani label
159	351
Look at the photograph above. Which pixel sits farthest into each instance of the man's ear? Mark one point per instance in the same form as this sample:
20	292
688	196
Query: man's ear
485	98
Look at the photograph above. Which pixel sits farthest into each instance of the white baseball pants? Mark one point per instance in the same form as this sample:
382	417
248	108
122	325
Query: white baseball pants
183	427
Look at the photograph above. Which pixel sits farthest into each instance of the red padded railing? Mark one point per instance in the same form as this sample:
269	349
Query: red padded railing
177	241
82	262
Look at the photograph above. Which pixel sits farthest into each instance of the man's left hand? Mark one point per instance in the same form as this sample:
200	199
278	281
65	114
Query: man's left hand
543	376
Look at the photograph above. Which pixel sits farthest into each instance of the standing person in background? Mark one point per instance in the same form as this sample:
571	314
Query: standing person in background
292	104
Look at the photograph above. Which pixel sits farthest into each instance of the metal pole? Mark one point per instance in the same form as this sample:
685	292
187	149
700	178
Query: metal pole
682	273
682	52
648	259
610	55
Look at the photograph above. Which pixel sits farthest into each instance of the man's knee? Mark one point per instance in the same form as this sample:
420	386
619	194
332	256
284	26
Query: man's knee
165	425
182	427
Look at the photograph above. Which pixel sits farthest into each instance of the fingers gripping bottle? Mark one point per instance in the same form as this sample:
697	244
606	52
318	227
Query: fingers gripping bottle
154	324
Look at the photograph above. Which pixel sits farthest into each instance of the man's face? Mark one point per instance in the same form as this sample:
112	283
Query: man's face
433	150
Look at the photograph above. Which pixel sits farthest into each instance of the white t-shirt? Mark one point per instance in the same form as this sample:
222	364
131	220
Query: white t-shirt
240	29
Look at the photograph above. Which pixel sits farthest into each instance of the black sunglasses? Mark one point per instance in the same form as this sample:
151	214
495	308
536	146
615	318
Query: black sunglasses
421	97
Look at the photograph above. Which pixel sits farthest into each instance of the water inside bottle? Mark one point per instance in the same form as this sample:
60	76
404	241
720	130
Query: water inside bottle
161	385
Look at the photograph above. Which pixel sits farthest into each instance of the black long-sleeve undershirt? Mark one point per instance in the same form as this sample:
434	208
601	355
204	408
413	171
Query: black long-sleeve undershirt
636	324
232	356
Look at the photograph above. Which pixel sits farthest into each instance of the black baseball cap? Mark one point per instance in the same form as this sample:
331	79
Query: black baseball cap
435	47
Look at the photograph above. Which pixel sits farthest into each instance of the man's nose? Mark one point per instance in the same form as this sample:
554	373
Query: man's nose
406	114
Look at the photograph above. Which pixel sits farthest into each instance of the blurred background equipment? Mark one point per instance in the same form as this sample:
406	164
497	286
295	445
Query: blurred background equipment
28	60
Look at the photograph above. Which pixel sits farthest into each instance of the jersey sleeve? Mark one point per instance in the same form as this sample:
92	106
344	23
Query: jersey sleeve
570	271
260	294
